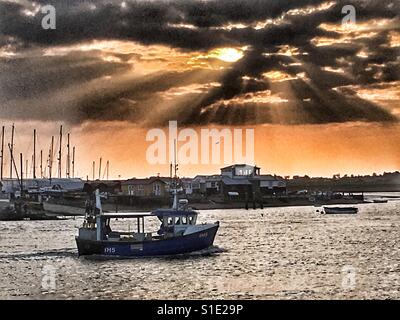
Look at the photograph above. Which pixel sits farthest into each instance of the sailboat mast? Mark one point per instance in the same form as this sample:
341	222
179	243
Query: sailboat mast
59	155
41	164
34	154
73	162
108	168
11	150
15	166
22	174
2	153
68	158
100	169
51	158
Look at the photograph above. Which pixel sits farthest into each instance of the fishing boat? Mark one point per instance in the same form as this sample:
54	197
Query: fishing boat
178	233
340	210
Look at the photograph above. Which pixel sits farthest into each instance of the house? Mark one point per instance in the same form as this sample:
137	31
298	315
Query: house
236	188
169	182
213	184
199	184
208	185
148	187
240	170
186	184
109	186
269	184
245	181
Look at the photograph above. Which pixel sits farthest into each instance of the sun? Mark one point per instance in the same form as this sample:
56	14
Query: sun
227	54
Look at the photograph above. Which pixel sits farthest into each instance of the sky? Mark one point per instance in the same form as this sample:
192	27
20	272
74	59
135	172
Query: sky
323	97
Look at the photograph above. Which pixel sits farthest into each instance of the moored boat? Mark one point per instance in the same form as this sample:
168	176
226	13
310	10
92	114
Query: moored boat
380	201
340	210
25	209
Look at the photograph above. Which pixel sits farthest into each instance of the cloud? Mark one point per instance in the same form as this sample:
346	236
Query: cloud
162	45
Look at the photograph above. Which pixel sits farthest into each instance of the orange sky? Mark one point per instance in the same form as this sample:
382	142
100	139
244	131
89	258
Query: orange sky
316	150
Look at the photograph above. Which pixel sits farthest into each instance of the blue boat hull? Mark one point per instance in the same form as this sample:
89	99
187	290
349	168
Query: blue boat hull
177	245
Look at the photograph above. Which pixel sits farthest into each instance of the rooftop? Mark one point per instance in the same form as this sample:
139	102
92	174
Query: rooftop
239	165
142	181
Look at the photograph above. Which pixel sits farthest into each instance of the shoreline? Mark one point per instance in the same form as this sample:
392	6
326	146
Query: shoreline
233	206
71	209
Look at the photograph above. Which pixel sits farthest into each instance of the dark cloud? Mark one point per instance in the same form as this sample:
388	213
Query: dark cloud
32	81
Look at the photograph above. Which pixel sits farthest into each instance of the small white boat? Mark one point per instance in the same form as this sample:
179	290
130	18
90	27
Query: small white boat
340	210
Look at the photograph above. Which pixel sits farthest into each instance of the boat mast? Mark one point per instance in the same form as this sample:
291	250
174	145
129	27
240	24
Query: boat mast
51	151
11	150
41	164
93	168
34	154
59	155
108	168
26	169
68	159
22	174
98	201
2	153
73	162
100	169
175	204
15	166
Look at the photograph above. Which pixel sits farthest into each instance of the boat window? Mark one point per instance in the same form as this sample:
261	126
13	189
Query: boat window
191	219
170	221
184	220
177	220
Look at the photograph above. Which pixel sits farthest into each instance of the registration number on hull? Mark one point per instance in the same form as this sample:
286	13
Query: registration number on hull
109	250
